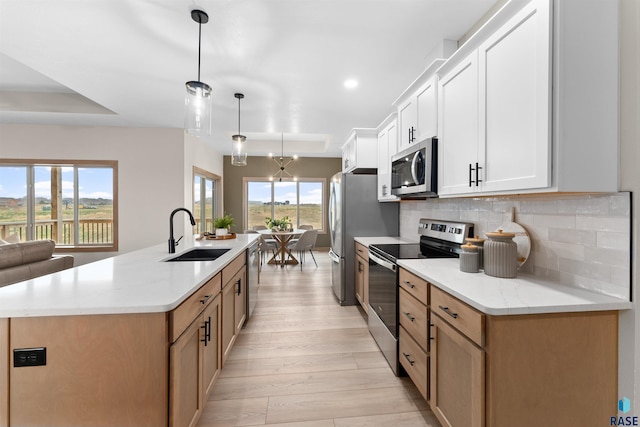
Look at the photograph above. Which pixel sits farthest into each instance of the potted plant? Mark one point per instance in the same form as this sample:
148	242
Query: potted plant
223	224
278	224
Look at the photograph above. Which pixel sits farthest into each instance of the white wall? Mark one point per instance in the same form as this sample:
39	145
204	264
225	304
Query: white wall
629	337
154	172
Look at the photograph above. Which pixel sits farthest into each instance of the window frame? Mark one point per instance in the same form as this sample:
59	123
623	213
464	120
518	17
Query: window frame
298	181
216	210
30	164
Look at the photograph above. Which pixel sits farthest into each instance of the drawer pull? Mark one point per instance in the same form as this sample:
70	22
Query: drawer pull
449	312
409	316
408	283
406	356
205	299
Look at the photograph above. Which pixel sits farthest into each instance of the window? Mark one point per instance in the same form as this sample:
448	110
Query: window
205	199
73	203
302	201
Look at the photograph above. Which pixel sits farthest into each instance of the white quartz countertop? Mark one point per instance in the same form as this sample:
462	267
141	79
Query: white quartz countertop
524	294
380	240
135	282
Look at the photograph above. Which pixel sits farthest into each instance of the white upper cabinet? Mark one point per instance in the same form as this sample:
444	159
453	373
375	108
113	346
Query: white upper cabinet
495	109
387	146
503	130
418	108
360	151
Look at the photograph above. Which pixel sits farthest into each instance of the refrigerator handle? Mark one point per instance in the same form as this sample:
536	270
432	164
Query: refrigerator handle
334	257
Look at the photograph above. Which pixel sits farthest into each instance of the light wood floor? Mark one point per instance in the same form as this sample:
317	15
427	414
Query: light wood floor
303	360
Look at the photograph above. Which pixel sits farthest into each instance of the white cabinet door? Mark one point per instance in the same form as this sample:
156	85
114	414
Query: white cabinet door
458	126
426	102
387	147
514	75
407	123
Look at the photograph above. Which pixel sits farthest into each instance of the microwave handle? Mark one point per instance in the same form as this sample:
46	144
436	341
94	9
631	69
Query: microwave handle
414	168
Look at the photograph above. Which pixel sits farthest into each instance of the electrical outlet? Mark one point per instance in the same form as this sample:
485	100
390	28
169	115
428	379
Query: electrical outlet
29	357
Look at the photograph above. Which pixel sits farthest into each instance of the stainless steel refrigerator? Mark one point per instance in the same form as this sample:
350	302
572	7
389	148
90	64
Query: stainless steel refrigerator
354	211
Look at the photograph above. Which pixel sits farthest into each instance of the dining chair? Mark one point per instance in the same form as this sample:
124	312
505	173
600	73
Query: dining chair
306	242
265	244
306	227
259	227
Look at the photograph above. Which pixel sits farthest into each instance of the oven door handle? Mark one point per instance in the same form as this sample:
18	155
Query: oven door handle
381	262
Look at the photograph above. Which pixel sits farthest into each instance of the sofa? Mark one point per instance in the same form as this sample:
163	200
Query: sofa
26	260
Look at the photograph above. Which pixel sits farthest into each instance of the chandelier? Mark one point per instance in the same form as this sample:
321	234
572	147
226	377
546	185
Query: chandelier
239	152
282	164
197	118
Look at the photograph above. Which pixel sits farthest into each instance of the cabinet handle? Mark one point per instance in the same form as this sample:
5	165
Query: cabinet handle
478	180
449	312
360	268
406	356
408	283
239	286
384	189
205	299
207	331
409	316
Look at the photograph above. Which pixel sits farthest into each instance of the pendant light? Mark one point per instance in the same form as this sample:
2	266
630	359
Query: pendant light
281	164
197	119
239	152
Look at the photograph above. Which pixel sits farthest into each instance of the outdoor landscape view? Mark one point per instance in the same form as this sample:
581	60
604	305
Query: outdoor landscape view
55	206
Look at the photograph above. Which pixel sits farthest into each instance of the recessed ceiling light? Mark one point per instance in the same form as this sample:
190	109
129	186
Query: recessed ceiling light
351	83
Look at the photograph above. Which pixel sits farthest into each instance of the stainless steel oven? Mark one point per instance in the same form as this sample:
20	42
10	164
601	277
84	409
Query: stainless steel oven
438	239
414	170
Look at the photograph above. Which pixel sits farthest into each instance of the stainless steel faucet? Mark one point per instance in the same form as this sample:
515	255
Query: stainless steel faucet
172	242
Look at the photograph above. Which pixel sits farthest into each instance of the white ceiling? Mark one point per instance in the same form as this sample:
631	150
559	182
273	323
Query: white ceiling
125	62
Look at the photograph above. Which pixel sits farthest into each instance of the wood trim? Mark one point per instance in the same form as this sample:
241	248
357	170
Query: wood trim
94	364
464	371
4	372
552	369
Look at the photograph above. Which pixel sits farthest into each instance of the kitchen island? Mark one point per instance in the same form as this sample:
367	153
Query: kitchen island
130	340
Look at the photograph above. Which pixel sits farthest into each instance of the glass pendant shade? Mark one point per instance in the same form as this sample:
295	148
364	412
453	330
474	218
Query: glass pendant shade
239	149
197	117
197	102
239	152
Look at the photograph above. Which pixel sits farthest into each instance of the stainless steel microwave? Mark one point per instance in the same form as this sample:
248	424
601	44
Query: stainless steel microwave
414	170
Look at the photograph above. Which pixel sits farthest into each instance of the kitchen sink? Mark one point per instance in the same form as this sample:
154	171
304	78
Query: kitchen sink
199	254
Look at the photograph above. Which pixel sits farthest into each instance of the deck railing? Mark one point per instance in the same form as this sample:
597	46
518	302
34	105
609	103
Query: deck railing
90	231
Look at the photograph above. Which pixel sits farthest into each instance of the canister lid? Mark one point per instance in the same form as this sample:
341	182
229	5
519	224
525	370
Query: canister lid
500	235
469	247
475	240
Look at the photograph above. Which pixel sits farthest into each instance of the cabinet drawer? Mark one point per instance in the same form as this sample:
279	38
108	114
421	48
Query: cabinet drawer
233	267
183	315
414	285
413	316
462	317
363	251
414	360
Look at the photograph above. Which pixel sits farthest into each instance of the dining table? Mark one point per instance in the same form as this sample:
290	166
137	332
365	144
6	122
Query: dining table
283	255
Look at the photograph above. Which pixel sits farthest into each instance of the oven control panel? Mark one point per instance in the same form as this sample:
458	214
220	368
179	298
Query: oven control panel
450	231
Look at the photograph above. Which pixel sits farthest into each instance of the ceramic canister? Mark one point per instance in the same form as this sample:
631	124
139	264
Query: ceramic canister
479	242
469	259
500	255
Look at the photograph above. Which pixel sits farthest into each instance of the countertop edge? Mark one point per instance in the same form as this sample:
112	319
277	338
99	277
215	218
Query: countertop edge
148	257
598	302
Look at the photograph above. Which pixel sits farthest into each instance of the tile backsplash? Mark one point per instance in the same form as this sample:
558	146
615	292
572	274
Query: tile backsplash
581	240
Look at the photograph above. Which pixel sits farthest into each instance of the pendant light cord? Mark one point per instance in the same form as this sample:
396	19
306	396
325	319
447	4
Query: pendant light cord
199	44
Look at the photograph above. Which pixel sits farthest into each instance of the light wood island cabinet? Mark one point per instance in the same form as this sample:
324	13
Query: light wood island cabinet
234	299
126	369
